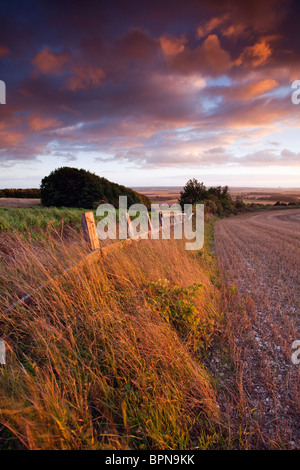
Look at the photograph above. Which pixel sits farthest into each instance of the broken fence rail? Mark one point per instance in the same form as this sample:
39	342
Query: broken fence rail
90	235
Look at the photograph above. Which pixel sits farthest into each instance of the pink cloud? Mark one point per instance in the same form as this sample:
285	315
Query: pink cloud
251	90
40	123
209	58
211	25
85	77
49	62
171	46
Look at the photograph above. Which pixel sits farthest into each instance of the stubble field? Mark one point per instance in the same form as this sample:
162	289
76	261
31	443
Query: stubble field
259	255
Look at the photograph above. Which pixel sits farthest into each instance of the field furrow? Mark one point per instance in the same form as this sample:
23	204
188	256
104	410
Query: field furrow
259	255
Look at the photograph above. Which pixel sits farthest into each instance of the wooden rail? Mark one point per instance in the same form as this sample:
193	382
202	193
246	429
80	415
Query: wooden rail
97	252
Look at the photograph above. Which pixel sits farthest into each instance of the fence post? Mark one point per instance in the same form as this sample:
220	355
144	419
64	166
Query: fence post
129	230
89	230
150	228
160	217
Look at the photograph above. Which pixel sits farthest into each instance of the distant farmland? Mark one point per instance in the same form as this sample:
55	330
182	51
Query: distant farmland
169	194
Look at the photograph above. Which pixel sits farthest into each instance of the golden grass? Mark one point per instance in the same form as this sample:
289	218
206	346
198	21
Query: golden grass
109	356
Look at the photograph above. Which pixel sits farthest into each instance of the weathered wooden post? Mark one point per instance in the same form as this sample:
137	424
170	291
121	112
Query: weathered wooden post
150	228
160	217
89	230
129	229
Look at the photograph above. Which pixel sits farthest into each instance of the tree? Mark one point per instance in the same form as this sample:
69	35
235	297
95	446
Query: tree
193	192
71	187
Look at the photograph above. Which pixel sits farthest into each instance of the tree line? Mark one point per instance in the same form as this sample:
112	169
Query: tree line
33	193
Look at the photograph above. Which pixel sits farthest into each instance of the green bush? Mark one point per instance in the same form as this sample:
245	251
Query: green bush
193	192
216	200
176	305
71	187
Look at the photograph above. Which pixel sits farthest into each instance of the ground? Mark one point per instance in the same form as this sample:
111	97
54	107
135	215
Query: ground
259	256
249	195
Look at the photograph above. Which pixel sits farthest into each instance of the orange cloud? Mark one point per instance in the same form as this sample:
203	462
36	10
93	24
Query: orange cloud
257	114
11	138
252	90
48	62
38	123
253	56
85	77
259	88
212	24
233	30
172	46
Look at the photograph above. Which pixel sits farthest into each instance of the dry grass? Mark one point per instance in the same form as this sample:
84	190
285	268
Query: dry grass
260	254
132	352
109	356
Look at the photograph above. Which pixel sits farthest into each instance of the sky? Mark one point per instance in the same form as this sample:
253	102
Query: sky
151	93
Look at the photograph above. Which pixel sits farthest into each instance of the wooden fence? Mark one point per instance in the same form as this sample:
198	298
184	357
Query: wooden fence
96	251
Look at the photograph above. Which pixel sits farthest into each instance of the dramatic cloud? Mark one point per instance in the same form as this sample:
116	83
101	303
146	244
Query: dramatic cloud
211	25
253	56
85	77
172	46
252	90
154	85
37	123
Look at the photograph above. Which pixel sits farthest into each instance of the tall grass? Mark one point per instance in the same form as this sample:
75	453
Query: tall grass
109	356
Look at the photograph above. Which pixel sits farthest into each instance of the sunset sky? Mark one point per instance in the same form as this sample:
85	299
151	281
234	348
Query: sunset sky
151	93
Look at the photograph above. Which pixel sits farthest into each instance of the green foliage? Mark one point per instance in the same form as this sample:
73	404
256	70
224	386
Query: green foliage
71	187
176	305
216	200
192	192
37	221
239	203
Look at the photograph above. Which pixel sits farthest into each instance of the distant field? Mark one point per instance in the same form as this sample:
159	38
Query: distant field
266	196
162	194
169	194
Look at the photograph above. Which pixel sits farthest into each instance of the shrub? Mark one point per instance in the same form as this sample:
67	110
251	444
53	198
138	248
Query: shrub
71	187
216	200
239	203
176	305
192	192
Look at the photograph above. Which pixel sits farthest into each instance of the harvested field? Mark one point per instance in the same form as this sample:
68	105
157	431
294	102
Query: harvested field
260	256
